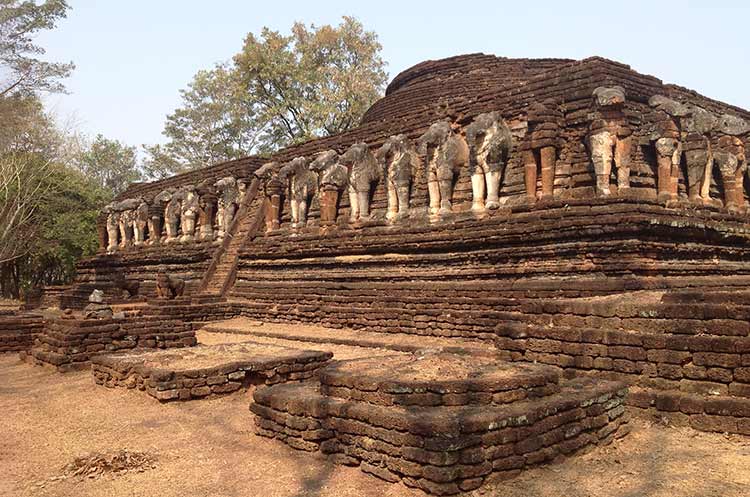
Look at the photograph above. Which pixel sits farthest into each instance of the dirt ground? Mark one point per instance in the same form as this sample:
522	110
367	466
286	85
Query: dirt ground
208	448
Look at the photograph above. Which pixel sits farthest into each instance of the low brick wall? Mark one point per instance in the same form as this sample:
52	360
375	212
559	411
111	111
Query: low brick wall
441	449
205	370
69	342
18	329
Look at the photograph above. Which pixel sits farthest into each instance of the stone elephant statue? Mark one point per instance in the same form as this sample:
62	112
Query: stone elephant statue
732	164
113	227
303	185
489	141
228	194
188	213
172	214
141	222
698	127
156	219
610	137
363	172
445	153
400	163
333	177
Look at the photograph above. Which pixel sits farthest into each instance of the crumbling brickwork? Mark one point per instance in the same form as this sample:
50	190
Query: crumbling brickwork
440	423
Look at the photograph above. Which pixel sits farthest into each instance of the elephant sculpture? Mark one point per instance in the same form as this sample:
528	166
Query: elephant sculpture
539	148
188	213
489	143
732	164
610	137
400	162
127	220
172	214
126	227
156	215
268	176
445	153
113	227
363	172
667	144
228	193
699	125
302	184
333	177
140	223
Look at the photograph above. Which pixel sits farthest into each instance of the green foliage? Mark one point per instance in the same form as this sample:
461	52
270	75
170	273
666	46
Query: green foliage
216	123
48	208
65	227
281	90
316	82
24	73
110	164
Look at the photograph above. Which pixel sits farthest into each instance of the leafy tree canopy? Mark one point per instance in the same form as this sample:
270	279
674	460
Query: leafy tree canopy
280	90
23	72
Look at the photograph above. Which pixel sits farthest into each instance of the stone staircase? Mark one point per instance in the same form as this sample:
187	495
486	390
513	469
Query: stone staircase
223	269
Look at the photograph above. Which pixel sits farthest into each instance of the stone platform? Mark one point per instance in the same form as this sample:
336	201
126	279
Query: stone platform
17	330
441	422
204	370
70	341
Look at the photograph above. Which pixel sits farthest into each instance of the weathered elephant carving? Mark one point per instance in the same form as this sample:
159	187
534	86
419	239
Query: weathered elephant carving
172	214
188	213
699	124
489	143
228	193
169	287
270	184
445	153
302	184
333	177
140	223
731	161
113	227
610	138
401	163
156	216
540	147
363	172
127	218
206	211
667	144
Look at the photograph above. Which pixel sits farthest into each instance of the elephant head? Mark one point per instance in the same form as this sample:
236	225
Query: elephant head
362	165
435	135
609	96
669	106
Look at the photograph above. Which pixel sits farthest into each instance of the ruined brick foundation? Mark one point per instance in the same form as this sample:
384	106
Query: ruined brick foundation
444	422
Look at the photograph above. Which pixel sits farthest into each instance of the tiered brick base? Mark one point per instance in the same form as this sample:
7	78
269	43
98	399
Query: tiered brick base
69	342
17	330
204	370
441	422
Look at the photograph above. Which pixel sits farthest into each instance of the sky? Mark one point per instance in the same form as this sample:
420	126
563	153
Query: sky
133	56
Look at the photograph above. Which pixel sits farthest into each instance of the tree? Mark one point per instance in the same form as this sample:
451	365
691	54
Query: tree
281	90
110	164
24	182
316	82
24	73
215	123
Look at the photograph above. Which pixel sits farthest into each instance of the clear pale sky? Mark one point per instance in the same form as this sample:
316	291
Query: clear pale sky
133	56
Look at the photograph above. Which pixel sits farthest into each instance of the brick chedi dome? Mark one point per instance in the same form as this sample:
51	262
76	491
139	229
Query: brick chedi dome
428	85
